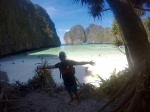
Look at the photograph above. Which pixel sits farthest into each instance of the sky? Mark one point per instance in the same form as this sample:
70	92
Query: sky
66	13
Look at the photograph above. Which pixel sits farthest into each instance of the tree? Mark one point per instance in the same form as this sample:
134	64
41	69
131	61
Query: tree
116	31
146	22
137	87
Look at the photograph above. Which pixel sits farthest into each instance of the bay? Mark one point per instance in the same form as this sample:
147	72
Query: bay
106	56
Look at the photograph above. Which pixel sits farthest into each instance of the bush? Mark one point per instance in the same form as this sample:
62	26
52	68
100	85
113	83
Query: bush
110	86
42	78
118	42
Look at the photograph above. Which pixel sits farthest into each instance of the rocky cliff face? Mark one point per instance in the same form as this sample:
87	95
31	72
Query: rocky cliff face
92	34
25	26
76	35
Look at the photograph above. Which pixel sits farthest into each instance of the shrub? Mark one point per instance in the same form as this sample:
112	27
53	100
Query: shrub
111	85
42	78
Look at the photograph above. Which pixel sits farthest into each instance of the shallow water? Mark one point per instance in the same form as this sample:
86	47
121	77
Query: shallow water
84	50
107	58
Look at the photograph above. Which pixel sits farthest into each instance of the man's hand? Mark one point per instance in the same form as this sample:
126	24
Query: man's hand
92	63
41	69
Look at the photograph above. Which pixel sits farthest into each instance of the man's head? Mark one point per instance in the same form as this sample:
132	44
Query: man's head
62	56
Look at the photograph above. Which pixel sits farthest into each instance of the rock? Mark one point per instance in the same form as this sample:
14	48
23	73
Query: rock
25	26
92	34
76	35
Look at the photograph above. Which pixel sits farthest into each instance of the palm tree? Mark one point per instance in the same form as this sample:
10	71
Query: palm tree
136	91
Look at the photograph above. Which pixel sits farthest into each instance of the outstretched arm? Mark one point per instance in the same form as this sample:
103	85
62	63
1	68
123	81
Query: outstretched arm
48	67
83	63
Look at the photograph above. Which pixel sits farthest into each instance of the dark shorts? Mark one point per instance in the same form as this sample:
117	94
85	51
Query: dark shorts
71	87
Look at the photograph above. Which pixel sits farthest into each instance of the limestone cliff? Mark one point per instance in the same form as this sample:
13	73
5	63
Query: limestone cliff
92	34
98	34
25	26
76	35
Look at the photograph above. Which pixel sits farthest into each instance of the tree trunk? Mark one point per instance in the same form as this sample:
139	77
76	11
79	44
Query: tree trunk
137	43
130	64
133	30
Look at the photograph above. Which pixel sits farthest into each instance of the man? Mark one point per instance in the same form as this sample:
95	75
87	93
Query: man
67	70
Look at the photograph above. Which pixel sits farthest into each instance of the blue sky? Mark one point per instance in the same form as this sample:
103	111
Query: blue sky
65	14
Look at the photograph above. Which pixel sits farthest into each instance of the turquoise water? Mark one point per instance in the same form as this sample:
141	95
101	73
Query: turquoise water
106	56
79	50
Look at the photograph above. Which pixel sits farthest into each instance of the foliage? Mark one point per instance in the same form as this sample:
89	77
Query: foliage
116	31
115	28
137	86
118	42
42	78
110	86
48	32
10	93
95	8
25	26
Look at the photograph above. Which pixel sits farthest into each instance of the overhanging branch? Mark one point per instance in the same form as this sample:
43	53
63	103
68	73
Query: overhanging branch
142	8
134	7
105	9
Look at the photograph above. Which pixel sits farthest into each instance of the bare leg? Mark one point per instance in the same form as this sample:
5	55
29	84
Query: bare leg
71	96
78	98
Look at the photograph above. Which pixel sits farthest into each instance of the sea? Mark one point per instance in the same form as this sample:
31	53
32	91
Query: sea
107	57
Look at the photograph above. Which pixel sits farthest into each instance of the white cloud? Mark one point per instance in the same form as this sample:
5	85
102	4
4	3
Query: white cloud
63	30
53	11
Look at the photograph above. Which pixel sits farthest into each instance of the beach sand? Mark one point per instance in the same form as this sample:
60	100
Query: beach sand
38	101
22	68
43	102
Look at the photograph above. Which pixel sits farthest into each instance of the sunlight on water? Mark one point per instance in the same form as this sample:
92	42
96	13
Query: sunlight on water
84	50
107	58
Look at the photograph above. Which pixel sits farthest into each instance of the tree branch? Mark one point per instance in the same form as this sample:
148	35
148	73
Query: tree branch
134	7
122	89
121	50
134	103
125	100
106	9
142	8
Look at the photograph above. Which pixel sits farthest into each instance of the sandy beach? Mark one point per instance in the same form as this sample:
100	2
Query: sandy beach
43	102
22	68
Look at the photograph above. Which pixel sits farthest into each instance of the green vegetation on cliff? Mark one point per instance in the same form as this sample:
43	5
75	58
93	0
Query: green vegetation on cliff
25	26
92	34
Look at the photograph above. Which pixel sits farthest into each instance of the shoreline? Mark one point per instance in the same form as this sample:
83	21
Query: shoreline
22	68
